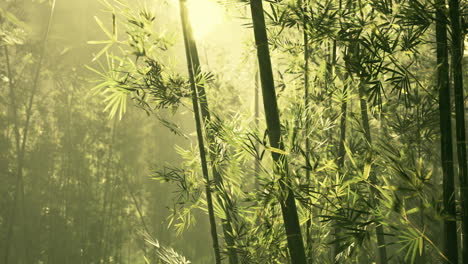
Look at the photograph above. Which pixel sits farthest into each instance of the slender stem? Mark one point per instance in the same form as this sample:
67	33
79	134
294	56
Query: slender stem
212	150
443	86
257	128
382	256
107	186
457	74
288	204
305	36
420	258
379	231
341	152
137	206
198	124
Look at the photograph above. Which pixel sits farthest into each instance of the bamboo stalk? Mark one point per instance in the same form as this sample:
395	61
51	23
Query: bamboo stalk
443	86
288	204
382	251
457	74
198	124
206	117
305	37
257	123
379	231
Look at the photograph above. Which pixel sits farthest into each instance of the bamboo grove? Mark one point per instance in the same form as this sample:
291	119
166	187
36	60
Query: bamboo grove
301	132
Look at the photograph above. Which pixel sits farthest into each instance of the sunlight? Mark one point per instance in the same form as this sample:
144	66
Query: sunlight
204	15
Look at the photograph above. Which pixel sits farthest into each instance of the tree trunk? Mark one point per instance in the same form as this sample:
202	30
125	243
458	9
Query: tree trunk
288	204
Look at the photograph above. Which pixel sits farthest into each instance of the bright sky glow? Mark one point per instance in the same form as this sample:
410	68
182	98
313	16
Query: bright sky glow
204	15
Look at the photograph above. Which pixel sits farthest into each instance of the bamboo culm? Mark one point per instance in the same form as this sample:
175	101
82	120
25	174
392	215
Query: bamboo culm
457	75
288	204
201	146
450	226
206	117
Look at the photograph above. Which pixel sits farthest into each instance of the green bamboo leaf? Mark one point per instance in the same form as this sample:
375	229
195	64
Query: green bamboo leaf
102	51
413	210
421	245
13	19
277	150
350	154
96	71
95	42
101	25
367	170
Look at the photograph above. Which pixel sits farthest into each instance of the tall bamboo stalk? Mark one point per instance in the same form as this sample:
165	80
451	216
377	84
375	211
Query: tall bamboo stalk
198	124
379	231
288	204
257	122
443	86
107	189
382	251
457	75
341	144
420	258
212	150
305	38
341	153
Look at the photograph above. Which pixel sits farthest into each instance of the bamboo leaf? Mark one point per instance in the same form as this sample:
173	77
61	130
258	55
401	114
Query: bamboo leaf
101	25
277	150
367	170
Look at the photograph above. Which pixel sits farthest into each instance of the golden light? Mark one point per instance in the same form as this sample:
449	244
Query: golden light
205	16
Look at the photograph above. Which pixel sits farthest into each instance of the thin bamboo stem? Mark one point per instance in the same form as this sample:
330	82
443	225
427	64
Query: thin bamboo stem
288	204
198	124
